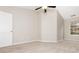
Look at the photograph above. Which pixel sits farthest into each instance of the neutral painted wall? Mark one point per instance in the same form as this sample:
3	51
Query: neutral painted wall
37	27
23	24
31	26
49	26
60	27
67	35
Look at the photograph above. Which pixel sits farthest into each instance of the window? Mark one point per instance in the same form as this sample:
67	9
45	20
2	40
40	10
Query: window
75	28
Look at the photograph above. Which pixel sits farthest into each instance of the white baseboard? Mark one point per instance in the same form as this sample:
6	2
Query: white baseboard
48	41
33	41
71	39
22	42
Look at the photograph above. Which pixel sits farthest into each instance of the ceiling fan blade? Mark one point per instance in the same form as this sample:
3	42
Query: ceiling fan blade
52	6
38	8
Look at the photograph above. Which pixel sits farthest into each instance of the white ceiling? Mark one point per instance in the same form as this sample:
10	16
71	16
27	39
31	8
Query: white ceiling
65	11
68	11
29	7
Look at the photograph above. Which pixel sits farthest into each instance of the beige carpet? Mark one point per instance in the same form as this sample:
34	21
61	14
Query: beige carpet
43	47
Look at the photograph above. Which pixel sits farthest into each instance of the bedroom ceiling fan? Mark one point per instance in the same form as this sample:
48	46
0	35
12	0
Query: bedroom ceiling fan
45	8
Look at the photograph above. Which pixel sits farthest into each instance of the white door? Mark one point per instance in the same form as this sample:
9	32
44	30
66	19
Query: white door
5	29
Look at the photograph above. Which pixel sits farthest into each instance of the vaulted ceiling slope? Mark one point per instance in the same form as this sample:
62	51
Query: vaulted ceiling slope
66	11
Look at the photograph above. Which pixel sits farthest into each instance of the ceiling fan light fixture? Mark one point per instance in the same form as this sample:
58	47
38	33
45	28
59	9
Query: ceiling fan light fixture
44	7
